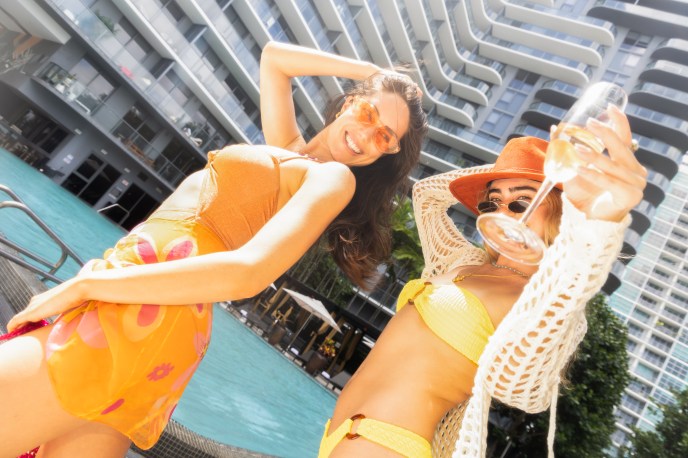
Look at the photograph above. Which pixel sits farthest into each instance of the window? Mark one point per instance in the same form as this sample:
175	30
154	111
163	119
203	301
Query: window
646	372
174	10
660	343
677	369
207	54
635	330
527	80
661	273
511	101
670	383
136	130
653	358
667	328
640	387
632	403
648	301
177	89
635	42
626	418
679	300
496	123
673	314
96	88
654	286
668	261
132	41
641	316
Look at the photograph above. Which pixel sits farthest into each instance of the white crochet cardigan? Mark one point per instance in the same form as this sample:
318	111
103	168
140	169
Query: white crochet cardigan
521	363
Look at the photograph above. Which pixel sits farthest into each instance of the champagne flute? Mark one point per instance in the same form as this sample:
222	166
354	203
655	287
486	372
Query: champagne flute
511	237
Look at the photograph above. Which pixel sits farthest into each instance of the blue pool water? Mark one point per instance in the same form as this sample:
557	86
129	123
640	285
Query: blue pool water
78	225
245	393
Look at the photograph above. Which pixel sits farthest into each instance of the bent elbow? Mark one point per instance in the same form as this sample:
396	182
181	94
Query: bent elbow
246	283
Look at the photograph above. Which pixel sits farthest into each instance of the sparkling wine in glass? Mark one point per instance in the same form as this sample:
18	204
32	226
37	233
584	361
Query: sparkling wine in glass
512	238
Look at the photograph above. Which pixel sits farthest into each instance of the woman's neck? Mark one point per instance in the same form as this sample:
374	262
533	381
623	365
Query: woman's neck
317	147
502	262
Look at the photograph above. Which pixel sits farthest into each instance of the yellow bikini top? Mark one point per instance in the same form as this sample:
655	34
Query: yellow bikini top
454	314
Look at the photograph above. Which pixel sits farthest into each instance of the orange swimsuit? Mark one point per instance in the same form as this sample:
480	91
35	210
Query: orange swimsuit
127	365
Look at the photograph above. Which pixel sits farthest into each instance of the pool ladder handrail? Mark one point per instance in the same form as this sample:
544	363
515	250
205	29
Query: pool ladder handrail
66	252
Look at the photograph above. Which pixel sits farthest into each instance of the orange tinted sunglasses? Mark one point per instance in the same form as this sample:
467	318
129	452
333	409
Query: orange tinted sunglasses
366	113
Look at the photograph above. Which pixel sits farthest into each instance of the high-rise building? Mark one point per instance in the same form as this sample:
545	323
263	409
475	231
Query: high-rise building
653	302
118	100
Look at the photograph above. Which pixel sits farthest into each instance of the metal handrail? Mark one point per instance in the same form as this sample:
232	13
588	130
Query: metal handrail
53	267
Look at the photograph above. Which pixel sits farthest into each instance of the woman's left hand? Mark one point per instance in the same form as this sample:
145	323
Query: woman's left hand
615	183
52	302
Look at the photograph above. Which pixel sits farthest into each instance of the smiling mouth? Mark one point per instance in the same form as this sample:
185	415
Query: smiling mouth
352	146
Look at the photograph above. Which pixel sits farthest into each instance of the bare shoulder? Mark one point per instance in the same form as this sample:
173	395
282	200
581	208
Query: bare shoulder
332	177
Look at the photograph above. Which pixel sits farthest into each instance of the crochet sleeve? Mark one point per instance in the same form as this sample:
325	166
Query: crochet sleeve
524	357
444	247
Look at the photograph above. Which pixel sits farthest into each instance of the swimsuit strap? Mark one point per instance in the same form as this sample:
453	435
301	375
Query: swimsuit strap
298	156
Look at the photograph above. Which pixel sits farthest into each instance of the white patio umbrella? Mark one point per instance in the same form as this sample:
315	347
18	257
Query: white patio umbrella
315	307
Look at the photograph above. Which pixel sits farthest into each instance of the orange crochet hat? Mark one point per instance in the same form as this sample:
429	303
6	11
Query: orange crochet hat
522	157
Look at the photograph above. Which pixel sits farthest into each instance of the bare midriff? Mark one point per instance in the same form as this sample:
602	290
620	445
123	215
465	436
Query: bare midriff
401	384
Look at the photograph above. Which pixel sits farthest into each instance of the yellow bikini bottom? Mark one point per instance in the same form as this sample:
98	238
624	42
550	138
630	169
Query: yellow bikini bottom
395	438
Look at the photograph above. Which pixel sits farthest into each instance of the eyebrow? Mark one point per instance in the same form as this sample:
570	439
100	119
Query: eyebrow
515	189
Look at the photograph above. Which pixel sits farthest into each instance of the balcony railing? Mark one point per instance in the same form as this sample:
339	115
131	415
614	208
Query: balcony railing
100	114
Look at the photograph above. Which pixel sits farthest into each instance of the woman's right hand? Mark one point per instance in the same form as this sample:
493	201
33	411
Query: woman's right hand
614	185
61	298
279	63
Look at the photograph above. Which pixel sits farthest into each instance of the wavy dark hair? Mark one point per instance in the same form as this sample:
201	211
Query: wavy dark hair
359	239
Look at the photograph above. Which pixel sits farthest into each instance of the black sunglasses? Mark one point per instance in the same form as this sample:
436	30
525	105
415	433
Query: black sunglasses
515	206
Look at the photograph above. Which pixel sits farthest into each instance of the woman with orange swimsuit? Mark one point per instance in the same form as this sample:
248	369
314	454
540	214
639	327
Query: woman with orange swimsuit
133	326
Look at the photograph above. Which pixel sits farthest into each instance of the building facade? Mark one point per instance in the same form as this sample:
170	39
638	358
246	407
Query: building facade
118	100
653	302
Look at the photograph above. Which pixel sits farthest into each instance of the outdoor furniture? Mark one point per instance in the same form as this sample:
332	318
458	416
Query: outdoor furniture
339	380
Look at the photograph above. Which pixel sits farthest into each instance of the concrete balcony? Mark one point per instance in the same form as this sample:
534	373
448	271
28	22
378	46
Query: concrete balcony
673	49
667	74
558	93
672	130
543	115
672	101
652	21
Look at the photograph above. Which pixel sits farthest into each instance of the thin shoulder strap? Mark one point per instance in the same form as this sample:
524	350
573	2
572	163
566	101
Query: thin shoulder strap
283	159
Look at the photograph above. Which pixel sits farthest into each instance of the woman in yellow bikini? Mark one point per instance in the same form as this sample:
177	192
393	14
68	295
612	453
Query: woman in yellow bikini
434	353
135	324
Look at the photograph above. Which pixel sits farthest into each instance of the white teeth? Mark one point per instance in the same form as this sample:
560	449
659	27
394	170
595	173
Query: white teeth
352	145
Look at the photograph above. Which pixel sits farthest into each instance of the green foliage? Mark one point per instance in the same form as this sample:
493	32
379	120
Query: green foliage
318	270
670	438
406	250
595	382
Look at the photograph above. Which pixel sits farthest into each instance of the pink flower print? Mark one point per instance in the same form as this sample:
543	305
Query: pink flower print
160	372
114	406
179	248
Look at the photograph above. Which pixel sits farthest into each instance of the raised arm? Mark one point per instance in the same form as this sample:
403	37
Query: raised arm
522	363
279	63
444	247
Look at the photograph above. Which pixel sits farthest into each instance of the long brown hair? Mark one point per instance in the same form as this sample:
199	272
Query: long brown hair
360	237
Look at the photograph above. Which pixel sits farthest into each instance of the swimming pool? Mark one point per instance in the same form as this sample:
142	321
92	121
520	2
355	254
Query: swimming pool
77	224
245	393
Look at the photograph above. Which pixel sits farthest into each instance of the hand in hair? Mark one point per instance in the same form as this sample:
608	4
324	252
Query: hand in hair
392	73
